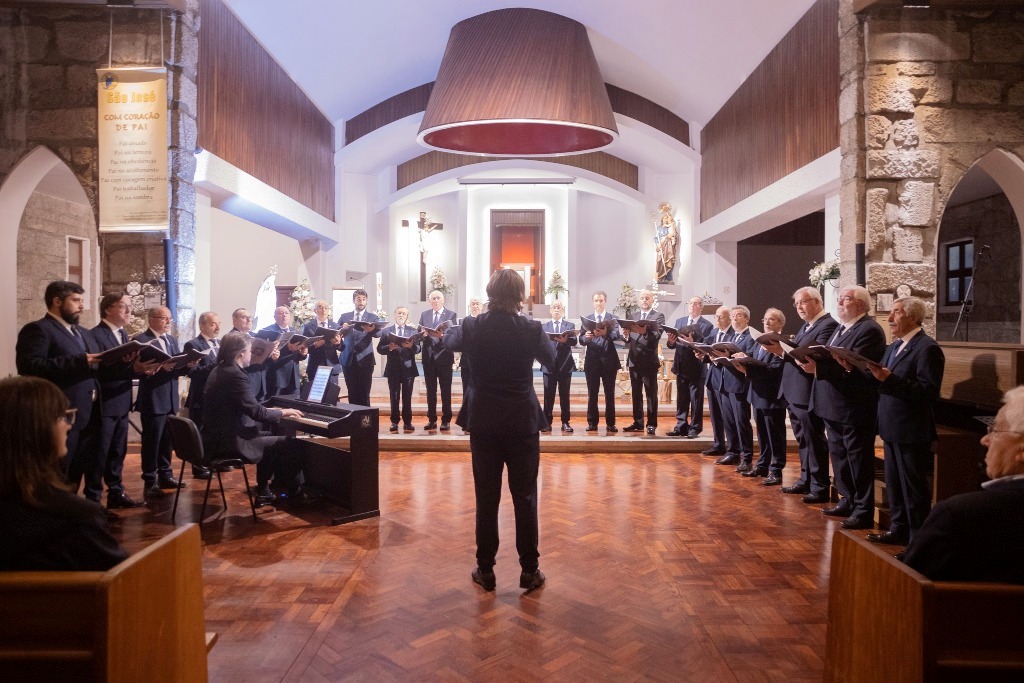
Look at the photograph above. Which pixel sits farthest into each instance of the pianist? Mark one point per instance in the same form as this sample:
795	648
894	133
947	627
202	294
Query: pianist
232	429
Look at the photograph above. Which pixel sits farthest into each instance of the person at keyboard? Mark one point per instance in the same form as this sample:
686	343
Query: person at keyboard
233	418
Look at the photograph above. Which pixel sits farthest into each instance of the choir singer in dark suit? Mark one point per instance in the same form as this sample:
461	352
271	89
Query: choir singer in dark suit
323	351
400	369
601	364
642	359
690	373
438	361
847	399
558	377
357	358
233	420
910	377
505	421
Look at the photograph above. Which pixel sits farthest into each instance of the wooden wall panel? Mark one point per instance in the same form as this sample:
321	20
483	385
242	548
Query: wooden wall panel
785	115
252	115
654	115
432	163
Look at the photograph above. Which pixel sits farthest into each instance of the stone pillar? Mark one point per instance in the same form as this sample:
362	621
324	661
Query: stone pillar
926	93
832	246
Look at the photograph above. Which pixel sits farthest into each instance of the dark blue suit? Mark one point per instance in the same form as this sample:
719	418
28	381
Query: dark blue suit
283	374
808	427
848	402
255	374
718	404
690	377
559	375
328	354
401	371
47	349
643	362
357	358
197	377
438	360
906	423
158	398
112	434
600	366
735	387
769	410
505	420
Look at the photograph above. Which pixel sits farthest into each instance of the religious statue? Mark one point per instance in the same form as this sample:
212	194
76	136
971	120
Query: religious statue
425	226
666	235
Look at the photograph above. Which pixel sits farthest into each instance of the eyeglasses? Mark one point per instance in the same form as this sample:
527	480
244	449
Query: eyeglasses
802	302
69	416
992	430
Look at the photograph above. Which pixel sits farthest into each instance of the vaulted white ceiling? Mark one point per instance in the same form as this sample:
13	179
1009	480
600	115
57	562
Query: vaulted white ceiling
687	55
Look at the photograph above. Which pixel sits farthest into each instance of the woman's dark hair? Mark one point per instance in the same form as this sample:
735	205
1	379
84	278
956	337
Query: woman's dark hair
29	408
505	291
232	345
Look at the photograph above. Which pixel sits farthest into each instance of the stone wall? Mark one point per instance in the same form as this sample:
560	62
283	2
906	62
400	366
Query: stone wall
42	252
996	312
924	94
48	62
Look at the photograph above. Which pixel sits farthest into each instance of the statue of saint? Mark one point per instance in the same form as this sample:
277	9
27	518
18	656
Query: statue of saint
666	235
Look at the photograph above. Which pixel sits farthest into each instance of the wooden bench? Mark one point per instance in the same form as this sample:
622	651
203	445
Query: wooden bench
887	622
140	621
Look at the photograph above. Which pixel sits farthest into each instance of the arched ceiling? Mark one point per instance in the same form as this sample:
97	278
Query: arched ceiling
687	55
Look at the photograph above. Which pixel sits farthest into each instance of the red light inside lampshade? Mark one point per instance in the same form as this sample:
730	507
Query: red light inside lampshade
517	138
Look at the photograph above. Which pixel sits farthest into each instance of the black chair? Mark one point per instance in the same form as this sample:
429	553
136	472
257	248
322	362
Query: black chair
189	446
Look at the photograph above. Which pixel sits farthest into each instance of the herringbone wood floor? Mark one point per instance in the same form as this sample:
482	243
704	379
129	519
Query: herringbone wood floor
660	567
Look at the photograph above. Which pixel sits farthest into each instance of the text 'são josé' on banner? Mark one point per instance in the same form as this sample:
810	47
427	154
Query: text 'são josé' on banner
133	149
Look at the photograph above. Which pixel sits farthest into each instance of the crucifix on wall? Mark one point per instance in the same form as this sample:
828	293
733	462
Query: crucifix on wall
425	226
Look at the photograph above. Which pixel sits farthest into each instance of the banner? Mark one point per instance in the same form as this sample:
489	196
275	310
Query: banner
133	178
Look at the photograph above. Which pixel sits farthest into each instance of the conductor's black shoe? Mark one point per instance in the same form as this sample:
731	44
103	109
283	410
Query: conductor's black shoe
567	428
712	451
484	579
122	500
201	473
732	459
531	580
635	427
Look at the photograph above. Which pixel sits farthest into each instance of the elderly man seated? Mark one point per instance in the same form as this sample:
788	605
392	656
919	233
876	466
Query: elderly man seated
980	536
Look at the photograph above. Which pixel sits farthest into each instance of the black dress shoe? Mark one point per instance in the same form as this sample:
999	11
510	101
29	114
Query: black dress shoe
754	471
122	500
445	427
408	428
712	451
853	523
531	580
889	538
797	488
484	579
773	479
546	430
262	501
301	499
836	511
692	434
201	473
152	490
611	429
814	498
591	428
651	430
393	428
431	425
673	432
633	428
170	483
731	459
567	428
743	468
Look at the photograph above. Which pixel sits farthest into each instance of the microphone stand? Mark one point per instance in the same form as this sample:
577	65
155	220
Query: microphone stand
968	303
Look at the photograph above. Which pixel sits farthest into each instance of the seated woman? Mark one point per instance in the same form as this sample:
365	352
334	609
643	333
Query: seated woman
231	424
43	525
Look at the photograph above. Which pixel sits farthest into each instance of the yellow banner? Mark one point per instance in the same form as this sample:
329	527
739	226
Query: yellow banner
133	178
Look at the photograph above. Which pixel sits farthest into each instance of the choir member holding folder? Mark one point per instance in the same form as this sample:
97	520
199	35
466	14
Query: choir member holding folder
400	343
558	376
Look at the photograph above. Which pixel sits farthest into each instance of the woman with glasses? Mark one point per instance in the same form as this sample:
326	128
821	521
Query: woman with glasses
44	526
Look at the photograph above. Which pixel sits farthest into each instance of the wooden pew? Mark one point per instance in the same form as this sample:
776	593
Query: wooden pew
887	622
140	621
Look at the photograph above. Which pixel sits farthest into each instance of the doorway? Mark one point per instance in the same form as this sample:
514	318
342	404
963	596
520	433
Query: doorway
517	242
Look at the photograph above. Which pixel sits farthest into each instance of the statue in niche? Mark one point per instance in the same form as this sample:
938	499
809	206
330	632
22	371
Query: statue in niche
666	236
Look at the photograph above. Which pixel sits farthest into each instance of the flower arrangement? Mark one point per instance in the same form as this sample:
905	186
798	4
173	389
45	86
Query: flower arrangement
301	303
381	313
557	284
627	302
657	291
439	282
821	272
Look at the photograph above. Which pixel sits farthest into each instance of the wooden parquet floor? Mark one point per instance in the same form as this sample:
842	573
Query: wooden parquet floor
660	567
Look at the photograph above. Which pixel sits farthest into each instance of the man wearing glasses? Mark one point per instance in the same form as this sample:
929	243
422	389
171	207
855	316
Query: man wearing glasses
910	377
256	373
980	536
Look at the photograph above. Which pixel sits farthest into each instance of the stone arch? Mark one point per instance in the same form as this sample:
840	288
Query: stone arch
1006	169
15	192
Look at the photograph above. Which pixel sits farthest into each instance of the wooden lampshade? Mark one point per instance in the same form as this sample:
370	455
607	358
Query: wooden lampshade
518	82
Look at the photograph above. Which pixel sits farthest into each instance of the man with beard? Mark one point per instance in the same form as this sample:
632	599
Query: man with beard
357	357
57	349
